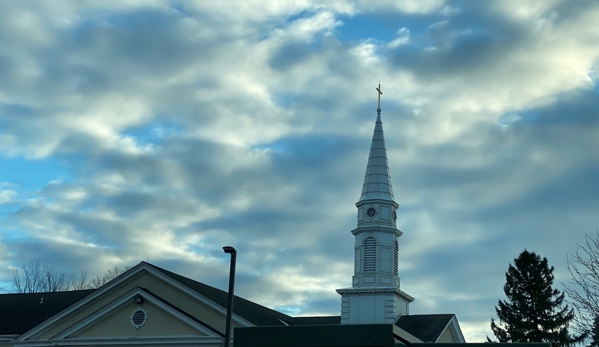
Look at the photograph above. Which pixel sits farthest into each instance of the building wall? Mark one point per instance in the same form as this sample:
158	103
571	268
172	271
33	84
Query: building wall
158	323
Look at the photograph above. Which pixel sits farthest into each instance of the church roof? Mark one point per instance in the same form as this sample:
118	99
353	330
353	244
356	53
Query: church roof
21	312
377	181
426	327
255	313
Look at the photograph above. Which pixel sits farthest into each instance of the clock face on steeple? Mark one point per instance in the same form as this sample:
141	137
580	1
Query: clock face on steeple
371	212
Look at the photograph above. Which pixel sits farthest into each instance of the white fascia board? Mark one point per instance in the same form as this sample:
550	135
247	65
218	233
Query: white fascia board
157	341
8	338
455	330
125	300
405	335
137	269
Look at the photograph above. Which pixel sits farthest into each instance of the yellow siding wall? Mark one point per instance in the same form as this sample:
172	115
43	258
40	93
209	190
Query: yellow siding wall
158	323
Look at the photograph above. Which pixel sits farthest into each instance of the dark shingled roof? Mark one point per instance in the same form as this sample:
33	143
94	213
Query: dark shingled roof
21	312
256	314
426	327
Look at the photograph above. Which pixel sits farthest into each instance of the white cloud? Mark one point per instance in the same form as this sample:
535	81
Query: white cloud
258	121
6	196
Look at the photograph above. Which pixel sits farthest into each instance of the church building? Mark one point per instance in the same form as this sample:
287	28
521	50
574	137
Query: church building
149	305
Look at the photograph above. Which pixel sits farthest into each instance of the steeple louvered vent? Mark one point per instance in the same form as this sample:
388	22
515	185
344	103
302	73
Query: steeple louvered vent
369	254
395	258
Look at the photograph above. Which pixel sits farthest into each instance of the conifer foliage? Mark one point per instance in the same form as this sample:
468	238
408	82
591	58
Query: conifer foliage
533	311
595	333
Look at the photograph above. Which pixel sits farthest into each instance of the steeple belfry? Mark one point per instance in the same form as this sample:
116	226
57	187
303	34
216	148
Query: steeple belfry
375	296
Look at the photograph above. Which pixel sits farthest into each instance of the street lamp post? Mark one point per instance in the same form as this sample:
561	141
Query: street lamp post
233	252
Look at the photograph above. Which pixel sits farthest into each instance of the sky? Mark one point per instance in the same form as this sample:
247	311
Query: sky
161	131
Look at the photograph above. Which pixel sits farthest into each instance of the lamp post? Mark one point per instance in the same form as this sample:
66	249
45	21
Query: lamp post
233	252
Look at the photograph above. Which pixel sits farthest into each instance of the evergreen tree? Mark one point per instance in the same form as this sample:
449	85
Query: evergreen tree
534	311
595	333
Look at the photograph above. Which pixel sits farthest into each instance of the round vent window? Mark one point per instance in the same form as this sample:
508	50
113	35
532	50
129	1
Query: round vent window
138	318
371	212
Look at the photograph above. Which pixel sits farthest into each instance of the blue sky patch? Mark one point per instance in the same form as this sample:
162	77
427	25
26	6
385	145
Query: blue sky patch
32	174
383	28
155	132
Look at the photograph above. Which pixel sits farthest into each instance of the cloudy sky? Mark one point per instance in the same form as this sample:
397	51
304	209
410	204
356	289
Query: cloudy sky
163	130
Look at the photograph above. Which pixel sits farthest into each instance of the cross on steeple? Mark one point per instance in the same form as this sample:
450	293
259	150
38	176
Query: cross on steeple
380	93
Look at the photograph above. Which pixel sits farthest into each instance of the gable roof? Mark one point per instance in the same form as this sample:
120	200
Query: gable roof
21	312
254	313
426	327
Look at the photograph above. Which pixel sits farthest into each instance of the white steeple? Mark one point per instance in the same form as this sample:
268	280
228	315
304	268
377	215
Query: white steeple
377	181
375	296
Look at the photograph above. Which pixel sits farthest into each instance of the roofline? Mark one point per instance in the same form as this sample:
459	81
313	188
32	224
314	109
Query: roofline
455	330
137	269
407	338
8	337
158	341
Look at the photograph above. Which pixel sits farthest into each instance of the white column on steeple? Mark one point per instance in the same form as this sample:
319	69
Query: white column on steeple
375	296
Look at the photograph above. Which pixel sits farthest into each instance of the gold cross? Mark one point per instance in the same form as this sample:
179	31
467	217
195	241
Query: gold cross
380	93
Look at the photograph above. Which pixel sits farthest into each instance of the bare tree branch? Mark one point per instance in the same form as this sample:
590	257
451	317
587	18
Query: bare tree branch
78	282
111	274
33	278
583	288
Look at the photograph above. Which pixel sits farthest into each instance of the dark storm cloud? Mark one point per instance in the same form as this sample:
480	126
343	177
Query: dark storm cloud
290	54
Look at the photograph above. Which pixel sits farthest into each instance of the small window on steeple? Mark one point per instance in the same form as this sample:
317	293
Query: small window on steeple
370	254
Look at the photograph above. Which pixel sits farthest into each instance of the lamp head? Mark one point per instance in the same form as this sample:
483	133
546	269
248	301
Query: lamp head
229	249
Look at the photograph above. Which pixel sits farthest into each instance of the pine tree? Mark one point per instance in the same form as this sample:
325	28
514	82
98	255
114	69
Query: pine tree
533	311
595	333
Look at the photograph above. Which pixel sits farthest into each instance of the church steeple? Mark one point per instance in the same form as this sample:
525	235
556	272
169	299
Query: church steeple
375	296
377	181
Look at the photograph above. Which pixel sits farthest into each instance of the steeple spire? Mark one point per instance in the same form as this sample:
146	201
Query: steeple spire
377	181
375	295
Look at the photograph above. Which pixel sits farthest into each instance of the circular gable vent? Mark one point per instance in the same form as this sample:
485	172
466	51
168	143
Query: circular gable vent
138	318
